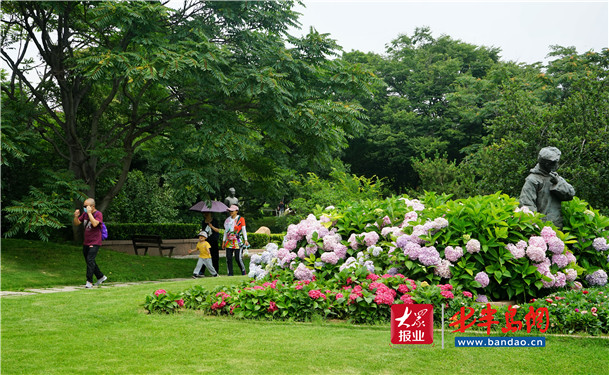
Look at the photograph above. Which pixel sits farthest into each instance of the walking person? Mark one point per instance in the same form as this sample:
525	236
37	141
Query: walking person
210	226
204	256
235	237
92	220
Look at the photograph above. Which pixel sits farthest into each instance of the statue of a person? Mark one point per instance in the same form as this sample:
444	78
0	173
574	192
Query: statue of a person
544	189
231	199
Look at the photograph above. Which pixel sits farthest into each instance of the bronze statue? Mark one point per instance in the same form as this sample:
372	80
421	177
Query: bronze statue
544	189
231	199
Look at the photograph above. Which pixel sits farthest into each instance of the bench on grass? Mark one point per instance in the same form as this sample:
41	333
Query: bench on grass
145	241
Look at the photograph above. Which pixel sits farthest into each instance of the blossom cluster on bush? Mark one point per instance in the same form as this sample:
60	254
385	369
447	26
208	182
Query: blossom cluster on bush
412	244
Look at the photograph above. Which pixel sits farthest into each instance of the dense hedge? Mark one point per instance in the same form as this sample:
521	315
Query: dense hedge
124	231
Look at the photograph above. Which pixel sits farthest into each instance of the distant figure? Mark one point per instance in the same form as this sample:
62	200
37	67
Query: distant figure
235	239
280	208
544	189
211	227
204	256
92	220
231	199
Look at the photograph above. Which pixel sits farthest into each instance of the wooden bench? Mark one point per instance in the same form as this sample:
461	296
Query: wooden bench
145	241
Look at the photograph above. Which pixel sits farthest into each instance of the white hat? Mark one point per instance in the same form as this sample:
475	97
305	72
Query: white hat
203	233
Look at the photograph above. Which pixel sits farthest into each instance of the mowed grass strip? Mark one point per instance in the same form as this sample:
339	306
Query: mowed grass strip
106	330
37	264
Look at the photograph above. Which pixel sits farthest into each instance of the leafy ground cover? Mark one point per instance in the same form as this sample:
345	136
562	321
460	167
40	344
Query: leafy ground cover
107	330
37	264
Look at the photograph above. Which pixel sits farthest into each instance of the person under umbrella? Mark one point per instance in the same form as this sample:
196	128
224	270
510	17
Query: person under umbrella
210	226
235	237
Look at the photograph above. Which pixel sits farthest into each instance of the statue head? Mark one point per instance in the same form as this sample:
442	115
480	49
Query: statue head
548	159
232	191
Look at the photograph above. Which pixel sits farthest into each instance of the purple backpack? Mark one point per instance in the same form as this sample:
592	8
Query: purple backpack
104	231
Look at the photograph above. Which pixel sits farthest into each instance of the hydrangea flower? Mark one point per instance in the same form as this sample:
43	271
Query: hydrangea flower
371	238
516	252
560	280
571	274
412	250
560	260
598	277
330	258
429	256
353	241
467	294
481	298
556	245
600	244
402	241
524	209
453	254
538	241
447	294
536	253
303	273
473	246
549	284
443	269
341	251
482	278
407	298
548	233
158	292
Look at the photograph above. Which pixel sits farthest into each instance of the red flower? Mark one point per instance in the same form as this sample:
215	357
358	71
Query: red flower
549	300
468	294
272	306
180	302
585	291
349	280
159	292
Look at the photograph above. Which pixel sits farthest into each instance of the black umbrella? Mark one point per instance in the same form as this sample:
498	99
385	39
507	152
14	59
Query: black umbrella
216	206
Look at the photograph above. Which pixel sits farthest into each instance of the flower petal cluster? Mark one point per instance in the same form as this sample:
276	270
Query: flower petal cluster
482	278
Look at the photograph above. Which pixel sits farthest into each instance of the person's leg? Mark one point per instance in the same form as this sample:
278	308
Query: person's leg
90	253
215	256
198	267
229	261
239	258
210	266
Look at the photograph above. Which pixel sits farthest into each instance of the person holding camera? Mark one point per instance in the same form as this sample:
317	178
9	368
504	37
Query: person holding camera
92	220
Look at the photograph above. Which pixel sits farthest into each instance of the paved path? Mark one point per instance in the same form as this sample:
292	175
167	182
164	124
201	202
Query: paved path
69	288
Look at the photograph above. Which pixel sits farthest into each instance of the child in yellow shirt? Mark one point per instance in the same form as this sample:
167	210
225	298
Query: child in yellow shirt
204	256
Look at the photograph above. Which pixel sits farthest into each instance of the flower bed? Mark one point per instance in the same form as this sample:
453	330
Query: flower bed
355	260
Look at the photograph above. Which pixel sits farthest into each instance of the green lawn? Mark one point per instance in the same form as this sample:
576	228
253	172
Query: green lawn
37	264
106	330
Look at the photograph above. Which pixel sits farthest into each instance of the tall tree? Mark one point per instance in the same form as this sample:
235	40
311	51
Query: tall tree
211	82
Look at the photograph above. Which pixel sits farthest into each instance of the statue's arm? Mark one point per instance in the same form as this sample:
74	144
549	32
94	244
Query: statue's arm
528	195
563	190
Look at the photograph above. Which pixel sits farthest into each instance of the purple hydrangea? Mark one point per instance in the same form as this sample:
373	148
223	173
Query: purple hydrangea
412	250
521	245
555	245
371	238
341	251
598	277
473	246
536	253
481	298
402	241
549	284
453	254
600	244
560	280
303	273
482	278
429	256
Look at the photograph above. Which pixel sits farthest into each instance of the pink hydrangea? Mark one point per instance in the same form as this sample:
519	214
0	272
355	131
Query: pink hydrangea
371	238
516	252
448	287
548	233
303	273
339	295
341	251
473	246
429	256
180	302
555	245
301	253
315	294
290	245
571	274
372	277
538	241
536	253
560	280
407	298
447	294
560	260
330	258
272	307
412	250
443	269
453	254
468	294
353	241
548	284
386	221
158	292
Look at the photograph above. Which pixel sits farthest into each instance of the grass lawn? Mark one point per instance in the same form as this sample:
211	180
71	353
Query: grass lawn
106	330
37	264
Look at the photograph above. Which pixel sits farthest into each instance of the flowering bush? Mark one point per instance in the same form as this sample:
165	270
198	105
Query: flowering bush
163	302
485	243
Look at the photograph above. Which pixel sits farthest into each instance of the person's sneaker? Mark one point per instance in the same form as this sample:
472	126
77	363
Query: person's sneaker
194	276
88	285
100	281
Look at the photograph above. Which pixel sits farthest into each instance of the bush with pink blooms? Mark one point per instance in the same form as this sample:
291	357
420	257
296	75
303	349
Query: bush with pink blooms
163	302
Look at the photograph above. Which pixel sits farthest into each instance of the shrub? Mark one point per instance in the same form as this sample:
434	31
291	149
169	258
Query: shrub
163	302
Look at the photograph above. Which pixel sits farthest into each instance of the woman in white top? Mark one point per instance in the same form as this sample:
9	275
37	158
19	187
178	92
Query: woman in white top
235	237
